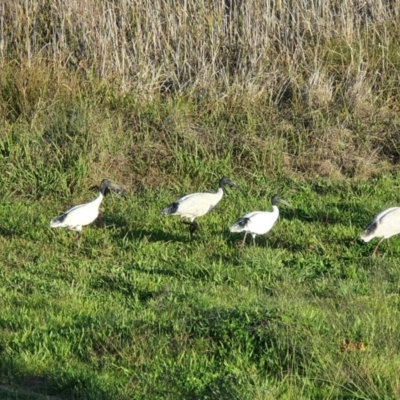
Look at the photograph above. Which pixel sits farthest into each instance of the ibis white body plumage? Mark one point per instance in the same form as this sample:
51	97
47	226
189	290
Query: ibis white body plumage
196	205
78	216
384	225
258	222
84	214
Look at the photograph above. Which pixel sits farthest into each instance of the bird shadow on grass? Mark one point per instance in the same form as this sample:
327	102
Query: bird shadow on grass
129	289
107	220
152	236
19	232
125	230
5	232
22	384
267	241
331	213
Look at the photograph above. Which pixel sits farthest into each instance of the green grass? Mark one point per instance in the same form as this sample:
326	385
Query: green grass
140	311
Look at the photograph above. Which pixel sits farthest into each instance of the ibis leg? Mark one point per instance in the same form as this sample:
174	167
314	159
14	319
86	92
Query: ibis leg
376	248
254	240
244	239
78	237
389	247
192	228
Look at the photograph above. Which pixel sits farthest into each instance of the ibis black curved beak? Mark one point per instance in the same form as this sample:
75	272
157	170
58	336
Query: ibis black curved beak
276	199
226	181
285	203
108	186
235	185
113	187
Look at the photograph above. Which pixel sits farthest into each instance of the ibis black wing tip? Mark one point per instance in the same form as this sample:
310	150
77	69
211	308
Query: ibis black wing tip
170	209
58	220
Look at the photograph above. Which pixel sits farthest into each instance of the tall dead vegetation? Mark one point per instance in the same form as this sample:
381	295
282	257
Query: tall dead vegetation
159	88
256	47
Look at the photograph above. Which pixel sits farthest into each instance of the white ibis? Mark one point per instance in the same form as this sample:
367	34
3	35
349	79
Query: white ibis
84	214
385	225
258	222
196	205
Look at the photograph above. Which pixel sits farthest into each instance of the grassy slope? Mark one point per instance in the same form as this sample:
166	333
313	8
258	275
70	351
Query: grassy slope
139	311
166	106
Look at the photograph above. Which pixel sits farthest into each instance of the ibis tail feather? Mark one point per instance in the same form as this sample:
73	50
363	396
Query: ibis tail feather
58	221
171	209
239	225
369	232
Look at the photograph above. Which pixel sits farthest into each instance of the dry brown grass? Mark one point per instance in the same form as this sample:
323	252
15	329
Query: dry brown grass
256	47
323	72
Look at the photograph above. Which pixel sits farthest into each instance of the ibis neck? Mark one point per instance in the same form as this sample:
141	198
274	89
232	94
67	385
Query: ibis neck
219	193
103	189
222	183
98	199
275	209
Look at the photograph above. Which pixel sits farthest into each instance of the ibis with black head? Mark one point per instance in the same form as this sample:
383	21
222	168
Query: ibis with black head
196	205
384	225
258	222
81	215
